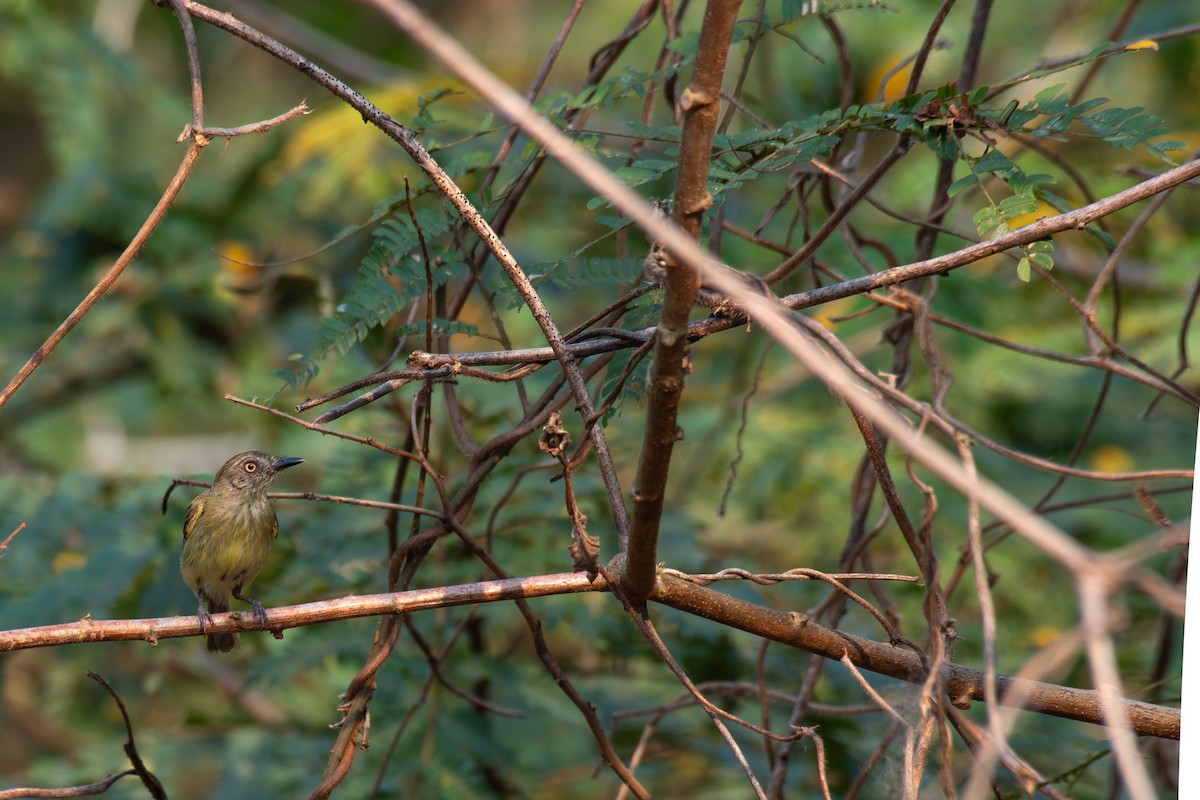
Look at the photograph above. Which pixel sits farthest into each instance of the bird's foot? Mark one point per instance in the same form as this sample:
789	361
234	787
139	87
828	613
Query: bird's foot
260	612
256	607
205	617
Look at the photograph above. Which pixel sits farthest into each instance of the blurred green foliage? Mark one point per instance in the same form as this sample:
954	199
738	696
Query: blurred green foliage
89	110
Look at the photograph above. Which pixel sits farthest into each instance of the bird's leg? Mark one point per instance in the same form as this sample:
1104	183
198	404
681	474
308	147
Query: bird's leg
259	611
202	612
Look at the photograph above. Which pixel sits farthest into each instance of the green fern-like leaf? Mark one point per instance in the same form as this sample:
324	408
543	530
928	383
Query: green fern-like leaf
1123	128
424	120
579	271
391	276
989	222
441	327
1036	253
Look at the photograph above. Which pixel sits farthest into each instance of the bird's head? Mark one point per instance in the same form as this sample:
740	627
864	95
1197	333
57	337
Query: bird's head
251	472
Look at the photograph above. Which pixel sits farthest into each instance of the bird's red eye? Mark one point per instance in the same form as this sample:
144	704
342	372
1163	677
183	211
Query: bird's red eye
250	466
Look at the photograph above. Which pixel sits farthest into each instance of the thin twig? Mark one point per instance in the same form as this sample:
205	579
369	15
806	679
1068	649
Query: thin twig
262	126
714	712
10	537
769	579
148	778
86	790
312	426
1102	658
193	59
110	277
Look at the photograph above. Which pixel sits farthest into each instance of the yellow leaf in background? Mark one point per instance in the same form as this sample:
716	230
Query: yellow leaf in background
1143	44
352	153
65	562
238	275
827	313
237	262
1044	636
1044	210
327	130
1111	458
893	90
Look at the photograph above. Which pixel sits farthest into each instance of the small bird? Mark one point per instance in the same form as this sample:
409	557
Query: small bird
227	534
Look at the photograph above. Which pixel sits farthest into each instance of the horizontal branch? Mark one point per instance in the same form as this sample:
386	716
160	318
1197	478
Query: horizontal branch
208	133
87	790
284	617
963	684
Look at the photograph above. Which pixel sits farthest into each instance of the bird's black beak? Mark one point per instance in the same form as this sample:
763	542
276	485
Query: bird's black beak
284	463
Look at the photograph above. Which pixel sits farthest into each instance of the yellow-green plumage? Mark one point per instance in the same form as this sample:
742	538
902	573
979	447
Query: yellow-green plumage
227	535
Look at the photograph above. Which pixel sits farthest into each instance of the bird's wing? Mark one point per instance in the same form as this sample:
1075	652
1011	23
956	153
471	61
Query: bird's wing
195	509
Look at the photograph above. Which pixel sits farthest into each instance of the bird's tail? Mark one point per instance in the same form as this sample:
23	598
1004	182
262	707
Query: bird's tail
220	642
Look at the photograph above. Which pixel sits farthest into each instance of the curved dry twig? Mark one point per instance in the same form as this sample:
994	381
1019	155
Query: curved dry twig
149	780
110	278
85	790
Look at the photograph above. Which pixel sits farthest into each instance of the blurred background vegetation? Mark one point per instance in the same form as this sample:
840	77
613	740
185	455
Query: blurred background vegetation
92	96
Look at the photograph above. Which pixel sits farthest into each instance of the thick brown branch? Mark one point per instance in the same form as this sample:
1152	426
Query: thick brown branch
796	630
279	619
963	684
701	106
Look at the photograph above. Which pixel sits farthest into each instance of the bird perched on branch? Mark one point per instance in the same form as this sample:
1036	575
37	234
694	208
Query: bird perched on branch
227	534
